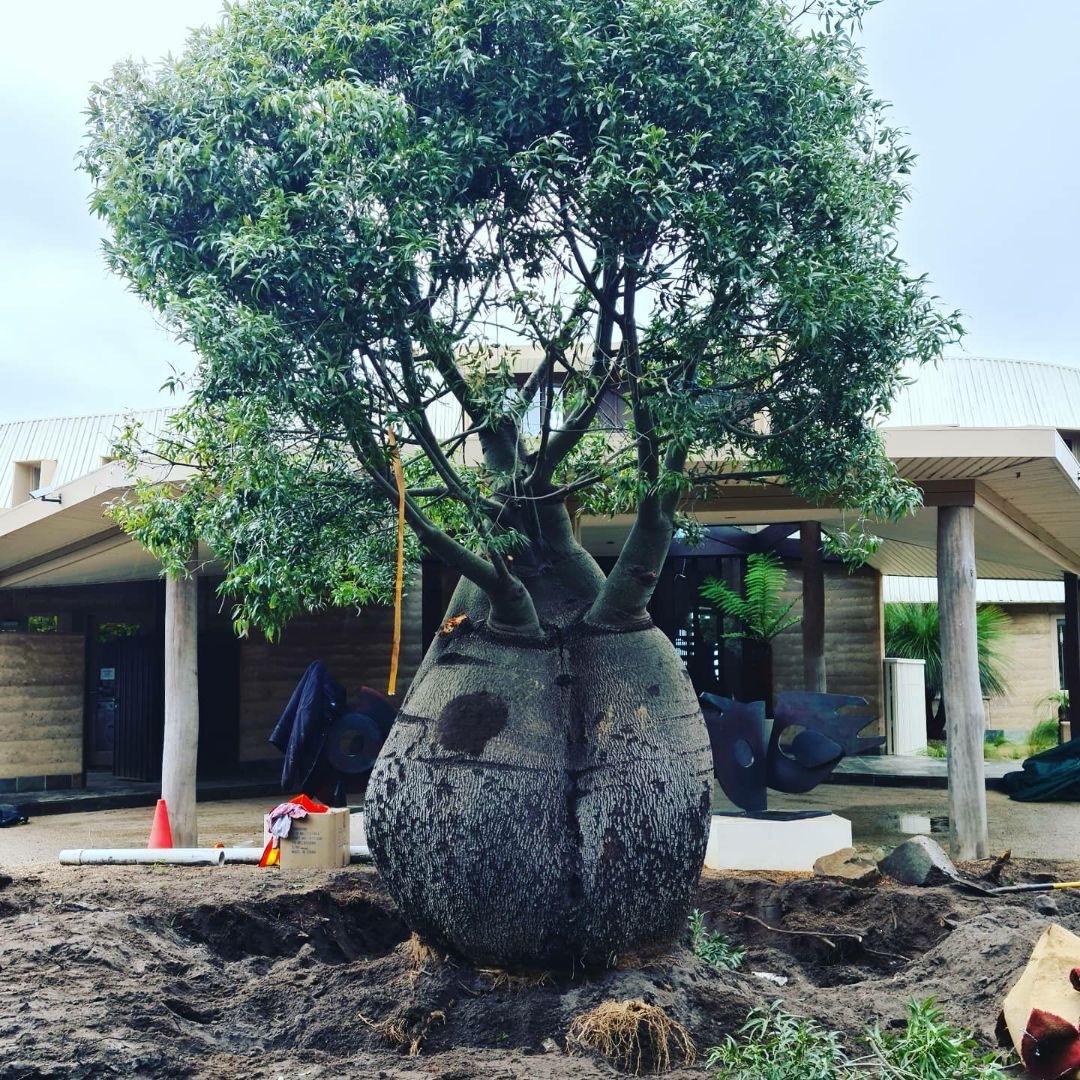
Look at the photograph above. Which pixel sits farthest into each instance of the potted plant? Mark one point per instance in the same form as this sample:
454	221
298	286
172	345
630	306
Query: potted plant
763	613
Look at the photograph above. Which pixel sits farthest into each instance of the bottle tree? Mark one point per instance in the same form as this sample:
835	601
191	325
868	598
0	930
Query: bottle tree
366	214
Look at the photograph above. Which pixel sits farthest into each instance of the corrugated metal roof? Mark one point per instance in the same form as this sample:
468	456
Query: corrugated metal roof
923	590
78	444
971	391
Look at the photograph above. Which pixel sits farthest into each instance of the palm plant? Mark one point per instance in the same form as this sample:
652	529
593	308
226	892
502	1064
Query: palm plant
912	631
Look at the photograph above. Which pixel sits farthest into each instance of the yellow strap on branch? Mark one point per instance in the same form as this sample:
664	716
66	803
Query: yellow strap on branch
399	476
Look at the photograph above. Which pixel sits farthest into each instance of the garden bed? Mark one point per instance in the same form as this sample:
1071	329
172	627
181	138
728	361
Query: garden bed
143	971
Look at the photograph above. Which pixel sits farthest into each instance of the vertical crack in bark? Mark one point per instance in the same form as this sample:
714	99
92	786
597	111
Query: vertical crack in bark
576	761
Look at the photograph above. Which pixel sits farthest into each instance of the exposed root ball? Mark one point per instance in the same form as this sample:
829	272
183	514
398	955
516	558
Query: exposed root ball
632	1035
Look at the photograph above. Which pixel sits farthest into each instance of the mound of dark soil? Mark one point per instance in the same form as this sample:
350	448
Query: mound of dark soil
233	972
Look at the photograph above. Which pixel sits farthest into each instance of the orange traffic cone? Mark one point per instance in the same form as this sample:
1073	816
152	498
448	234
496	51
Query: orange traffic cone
160	833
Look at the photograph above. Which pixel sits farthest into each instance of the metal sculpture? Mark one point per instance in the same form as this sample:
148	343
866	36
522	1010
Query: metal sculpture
739	737
793	753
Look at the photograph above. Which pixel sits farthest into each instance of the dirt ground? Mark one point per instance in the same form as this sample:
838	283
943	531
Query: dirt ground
233	972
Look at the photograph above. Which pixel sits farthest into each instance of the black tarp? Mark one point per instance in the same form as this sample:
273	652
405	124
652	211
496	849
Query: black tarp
1052	776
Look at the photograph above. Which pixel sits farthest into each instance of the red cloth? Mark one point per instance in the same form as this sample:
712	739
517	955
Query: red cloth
1050	1048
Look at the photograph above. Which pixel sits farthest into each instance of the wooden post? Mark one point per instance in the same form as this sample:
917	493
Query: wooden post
181	739
1070	648
966	723
813	607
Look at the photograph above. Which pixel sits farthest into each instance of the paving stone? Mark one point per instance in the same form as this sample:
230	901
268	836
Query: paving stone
847	865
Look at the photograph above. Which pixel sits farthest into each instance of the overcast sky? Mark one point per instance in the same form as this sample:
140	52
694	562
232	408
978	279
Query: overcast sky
988	90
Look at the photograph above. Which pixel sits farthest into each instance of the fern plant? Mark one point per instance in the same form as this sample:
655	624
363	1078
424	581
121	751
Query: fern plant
763	611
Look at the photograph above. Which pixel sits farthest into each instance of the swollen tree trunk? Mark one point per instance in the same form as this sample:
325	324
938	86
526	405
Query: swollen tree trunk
544	803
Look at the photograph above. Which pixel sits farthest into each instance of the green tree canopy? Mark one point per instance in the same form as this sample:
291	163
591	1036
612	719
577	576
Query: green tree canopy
356	210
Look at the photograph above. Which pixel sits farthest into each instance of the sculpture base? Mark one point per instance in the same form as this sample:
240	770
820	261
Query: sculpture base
774	840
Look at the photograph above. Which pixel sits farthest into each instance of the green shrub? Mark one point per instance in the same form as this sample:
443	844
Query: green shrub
1043	736
774	1044
928	1049
711	946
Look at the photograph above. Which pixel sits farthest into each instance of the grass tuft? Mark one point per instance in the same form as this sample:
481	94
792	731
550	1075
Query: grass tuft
928	1049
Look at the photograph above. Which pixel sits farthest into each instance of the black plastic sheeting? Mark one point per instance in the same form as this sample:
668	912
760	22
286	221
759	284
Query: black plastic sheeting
1052	776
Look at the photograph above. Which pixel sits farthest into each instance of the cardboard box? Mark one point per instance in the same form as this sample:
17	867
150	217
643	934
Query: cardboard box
318	841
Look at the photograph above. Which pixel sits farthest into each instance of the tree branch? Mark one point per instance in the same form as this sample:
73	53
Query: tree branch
512	609
624	598
603	368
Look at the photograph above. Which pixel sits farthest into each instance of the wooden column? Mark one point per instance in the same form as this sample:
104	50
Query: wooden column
181	739
1070	650
966	724
813	607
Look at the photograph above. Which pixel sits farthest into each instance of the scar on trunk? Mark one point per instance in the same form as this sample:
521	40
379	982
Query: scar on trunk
469	721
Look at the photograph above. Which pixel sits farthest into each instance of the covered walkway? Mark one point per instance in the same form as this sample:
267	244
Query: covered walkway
998	502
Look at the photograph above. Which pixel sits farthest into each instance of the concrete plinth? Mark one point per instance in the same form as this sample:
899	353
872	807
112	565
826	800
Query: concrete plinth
775	840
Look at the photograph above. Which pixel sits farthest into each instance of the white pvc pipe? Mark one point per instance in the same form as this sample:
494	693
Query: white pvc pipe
129	856
358	853
242	854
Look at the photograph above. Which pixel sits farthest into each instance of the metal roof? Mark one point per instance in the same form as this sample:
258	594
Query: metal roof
78	444
972	391
923	590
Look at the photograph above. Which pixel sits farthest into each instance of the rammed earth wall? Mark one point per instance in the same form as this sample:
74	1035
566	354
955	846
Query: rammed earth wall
41	705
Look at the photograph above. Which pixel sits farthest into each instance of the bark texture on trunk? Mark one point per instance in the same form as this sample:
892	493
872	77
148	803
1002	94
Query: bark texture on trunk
180	749
544	804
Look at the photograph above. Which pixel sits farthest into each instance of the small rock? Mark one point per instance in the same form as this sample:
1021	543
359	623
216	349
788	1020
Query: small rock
919	861
550	1046
5	880
847	865
1046	905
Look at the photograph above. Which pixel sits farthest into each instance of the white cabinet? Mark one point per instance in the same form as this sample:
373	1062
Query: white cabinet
905	706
